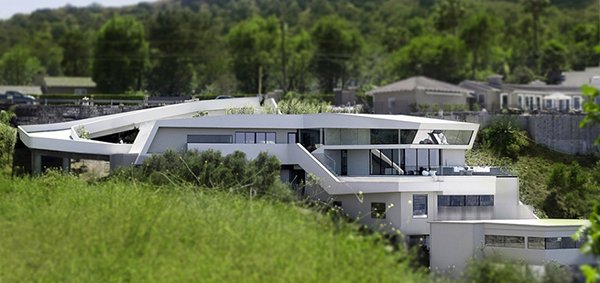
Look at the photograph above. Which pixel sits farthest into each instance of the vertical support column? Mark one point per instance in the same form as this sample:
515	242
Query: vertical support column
36	163
66	164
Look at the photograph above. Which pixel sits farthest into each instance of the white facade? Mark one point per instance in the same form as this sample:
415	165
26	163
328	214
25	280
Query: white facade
389	172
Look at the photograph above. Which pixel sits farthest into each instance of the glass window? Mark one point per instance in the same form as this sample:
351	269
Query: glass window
443	200
309	138
536	243
457	200
577	103
486	200
419	206
472	200
384	162
250	137
240	137
494	241
261	137
552	243
382	136
337	204
407	136
378	210
291	138
209	138
514	242
333	136
568	243
271	138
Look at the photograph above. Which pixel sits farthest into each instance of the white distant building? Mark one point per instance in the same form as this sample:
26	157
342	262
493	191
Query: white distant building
390	172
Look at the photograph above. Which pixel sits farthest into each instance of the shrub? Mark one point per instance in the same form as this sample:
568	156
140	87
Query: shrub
571	195
209	169
494	270
8	137
503	137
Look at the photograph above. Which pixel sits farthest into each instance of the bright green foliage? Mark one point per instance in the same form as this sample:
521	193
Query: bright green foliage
337	43
174	42
521	75
494	270
120	56
77	53
571	193
8	137
591	237
253	45
553	61
590	107
18	67
259	177
62	229
438	57
300	52
504	138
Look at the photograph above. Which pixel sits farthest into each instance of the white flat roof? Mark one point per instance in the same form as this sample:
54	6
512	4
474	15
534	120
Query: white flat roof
524	222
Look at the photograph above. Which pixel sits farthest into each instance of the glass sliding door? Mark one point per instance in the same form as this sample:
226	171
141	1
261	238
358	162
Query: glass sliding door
385	162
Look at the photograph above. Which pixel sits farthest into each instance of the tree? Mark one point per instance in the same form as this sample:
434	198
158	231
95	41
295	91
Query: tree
447	14
536	9
120	56
479	34
252	44
439	57
504	138
300	50
553	61
337	43
18	66
174	41
76	53
571	195
521	75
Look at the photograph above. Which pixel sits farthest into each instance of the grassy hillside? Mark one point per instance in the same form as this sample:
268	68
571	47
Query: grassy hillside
533	168
61	229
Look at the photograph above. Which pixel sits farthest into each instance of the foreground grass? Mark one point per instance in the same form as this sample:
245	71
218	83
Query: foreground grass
60	229
533	168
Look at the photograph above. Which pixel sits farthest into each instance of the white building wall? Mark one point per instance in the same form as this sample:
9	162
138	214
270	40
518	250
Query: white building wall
506	201
358	208
417	226
452	245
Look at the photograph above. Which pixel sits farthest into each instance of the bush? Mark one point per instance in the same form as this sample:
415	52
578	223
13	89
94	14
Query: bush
571	194
503	137
495	270
8	137
209	169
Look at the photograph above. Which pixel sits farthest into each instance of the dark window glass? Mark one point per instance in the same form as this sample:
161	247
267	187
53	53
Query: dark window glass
486	200
407	136
472	200
309	138
261	137
494	241
384	162
451	137
568	243
552	243
250	138
378	210
443	200
209	138
457	200
419	206
514	242
291	138
381	136
536	243
337	204
240	137
271	138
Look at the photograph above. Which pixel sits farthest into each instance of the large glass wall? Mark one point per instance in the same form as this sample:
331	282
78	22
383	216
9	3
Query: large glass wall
309	138
346	136
449	137
386	162
384	136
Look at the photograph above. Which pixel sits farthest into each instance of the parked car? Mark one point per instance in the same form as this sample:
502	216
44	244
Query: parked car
223	97
15	97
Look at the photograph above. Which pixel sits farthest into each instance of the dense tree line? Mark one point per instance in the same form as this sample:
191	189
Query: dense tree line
182	47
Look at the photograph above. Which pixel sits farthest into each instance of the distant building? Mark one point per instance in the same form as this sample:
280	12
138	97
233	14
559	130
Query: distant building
494	95
405	96
589	76
66	85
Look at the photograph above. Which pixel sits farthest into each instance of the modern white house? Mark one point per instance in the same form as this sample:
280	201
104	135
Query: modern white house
390	172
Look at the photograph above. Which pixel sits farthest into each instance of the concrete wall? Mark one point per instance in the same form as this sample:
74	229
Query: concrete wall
560	132
358	207
452	245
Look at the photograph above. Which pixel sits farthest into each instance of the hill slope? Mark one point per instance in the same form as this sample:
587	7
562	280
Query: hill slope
57	229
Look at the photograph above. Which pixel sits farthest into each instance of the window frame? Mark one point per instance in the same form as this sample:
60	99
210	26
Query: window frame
376	210
426	209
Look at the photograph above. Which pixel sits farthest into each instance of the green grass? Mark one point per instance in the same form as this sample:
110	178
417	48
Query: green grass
61	229
533	168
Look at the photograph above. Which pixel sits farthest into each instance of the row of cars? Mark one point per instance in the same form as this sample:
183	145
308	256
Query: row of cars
15	97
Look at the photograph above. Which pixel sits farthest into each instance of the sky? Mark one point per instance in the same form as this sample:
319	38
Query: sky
11	7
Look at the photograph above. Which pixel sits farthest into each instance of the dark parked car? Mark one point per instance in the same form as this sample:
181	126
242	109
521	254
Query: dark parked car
15	97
